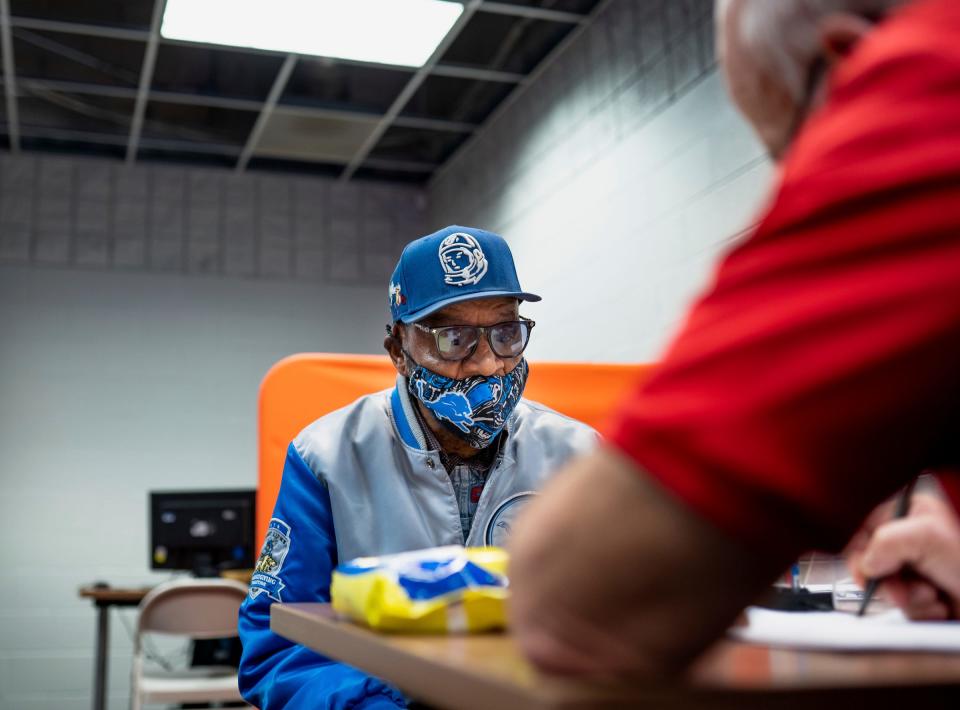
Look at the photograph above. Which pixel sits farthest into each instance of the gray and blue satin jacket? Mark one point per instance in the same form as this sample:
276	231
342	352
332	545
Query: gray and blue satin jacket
361	481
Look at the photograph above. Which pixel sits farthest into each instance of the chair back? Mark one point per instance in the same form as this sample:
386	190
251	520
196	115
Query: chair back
198	608
301	388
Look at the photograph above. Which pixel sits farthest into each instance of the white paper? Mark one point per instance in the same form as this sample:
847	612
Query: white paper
839	631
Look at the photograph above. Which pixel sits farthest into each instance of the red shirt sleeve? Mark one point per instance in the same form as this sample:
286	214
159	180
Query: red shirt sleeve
822	368
951	485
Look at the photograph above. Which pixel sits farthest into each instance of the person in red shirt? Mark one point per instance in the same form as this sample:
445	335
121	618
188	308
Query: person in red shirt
818	374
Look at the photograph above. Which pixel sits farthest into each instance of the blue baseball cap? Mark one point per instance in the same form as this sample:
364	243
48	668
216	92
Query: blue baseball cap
452	265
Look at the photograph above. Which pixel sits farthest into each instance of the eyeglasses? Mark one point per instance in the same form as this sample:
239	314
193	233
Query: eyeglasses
458	342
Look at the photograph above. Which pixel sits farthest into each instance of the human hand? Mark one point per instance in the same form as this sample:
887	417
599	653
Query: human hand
917	557
606	575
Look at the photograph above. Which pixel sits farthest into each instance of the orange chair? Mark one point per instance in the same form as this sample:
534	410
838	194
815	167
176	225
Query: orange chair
301	388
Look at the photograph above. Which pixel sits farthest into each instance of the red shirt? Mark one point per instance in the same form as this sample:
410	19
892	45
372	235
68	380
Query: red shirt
822	368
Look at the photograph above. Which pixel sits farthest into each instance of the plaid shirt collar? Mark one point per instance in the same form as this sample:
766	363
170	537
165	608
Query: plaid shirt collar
481	463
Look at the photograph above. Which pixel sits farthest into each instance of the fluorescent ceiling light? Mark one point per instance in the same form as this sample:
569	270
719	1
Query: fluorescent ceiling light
404	32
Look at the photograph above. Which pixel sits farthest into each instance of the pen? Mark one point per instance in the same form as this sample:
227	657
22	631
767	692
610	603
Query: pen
903	507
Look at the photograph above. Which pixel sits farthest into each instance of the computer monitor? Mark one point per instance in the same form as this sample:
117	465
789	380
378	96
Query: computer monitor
202	531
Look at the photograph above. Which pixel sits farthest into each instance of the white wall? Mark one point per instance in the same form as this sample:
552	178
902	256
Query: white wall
618	177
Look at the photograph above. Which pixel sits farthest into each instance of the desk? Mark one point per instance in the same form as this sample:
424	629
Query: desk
487	671
104	598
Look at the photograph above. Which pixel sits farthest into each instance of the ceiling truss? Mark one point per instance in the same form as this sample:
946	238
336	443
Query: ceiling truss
392	118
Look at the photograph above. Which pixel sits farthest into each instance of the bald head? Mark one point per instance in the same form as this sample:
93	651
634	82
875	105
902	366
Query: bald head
768	49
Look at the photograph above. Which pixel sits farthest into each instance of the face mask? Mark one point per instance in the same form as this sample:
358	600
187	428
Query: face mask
475	409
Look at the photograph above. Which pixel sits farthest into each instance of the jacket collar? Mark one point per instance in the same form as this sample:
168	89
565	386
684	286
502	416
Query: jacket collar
405	418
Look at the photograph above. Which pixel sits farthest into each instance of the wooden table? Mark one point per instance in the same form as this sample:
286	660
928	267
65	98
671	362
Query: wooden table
486	671
104	598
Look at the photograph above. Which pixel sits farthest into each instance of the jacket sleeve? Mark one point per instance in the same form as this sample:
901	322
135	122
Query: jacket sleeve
295	565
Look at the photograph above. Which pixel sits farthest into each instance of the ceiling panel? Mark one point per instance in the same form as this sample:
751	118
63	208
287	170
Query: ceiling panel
71	57
197	124
453	99
214	72
78	84
325	84
65	111
576	6
505	43
113	13
298	137
416	144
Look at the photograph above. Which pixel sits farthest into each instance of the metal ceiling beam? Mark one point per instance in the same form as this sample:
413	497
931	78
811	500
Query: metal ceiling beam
75	87
175	97
133	35
9	77
453	70
504	105
146	78
430	124
477	73
180	97
124	92
74	55
414	166
449	70
77	28
534	13
279	84
228	151
65	134
469	9
435	124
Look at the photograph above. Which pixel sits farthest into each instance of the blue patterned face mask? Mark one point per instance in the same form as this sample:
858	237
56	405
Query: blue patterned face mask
474	409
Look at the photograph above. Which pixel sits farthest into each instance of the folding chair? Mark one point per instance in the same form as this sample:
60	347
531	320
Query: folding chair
193	608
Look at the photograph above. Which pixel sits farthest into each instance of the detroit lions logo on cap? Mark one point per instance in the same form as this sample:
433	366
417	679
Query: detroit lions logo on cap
462	260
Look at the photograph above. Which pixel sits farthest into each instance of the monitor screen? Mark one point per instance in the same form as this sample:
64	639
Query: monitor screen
202	531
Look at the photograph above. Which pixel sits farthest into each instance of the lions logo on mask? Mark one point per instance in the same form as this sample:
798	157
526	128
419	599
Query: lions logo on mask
462	260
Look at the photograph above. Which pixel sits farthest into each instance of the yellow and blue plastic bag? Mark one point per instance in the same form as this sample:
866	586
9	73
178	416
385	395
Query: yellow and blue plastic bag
437	590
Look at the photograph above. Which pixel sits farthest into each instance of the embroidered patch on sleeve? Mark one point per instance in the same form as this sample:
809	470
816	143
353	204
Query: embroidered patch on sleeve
266	575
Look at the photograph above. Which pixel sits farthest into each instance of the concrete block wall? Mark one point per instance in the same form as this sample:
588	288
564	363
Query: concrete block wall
88	213
618	176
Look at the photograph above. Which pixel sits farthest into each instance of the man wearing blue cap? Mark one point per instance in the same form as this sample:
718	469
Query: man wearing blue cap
446	457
